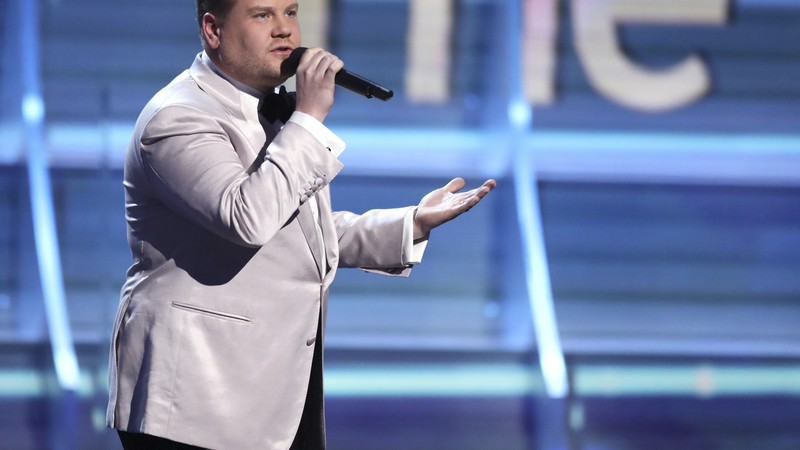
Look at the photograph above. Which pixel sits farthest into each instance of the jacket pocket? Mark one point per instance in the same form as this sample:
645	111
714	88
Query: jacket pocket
211	313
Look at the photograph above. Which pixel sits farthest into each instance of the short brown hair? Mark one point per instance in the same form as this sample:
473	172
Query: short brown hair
219	8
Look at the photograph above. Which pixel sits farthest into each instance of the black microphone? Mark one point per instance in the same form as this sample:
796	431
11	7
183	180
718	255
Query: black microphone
345	79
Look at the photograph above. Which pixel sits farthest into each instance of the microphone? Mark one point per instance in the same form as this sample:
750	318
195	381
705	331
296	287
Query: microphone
345	79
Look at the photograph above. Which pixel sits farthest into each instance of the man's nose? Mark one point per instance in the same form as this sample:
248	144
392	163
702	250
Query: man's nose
282	28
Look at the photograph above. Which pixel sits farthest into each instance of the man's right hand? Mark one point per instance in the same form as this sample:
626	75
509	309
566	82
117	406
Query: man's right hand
315	82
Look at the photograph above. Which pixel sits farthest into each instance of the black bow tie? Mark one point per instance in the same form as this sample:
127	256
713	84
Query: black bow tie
278	106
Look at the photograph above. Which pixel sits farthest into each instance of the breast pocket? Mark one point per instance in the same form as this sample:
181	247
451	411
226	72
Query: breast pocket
222	315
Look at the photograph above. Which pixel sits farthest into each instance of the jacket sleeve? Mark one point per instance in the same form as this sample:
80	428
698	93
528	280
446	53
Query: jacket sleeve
190	164
373	241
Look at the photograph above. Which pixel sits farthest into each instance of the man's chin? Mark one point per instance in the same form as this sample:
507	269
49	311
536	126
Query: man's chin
273	81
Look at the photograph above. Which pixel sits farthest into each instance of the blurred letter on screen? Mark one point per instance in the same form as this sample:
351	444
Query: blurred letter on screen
614	75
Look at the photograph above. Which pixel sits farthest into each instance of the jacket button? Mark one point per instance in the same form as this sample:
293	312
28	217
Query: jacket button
303	198
319	181
311	341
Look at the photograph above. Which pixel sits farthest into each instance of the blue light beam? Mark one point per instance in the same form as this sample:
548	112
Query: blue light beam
519	120
537	277
44	223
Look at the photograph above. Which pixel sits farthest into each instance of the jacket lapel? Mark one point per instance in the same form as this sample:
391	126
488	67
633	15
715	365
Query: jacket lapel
243	118
306	220
329	233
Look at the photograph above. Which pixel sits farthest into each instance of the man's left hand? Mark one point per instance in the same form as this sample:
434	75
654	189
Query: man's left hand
445	204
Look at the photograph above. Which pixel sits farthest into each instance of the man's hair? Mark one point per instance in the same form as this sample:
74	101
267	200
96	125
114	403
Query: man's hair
219	8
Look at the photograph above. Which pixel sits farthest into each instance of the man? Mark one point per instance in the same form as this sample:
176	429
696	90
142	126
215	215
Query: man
218	337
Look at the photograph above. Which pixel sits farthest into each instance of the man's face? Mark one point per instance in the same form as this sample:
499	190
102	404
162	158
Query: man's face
254	39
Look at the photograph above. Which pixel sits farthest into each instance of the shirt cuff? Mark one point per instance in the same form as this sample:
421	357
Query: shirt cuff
412	251
324	135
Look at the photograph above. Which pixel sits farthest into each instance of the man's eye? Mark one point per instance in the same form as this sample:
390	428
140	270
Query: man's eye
292	13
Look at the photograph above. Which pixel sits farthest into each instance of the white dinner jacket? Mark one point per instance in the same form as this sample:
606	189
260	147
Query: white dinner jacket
214	336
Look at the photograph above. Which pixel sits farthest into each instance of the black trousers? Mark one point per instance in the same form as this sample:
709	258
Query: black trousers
139	441
310	435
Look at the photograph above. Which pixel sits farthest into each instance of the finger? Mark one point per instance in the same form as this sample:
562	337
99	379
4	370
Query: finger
325	65
469	199
455	185
485	188
327	60
480	192
307	56
467	203
337	65
319	61
334	65
319	64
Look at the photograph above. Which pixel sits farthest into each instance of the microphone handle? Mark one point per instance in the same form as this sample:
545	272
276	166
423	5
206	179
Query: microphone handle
345	79
362	86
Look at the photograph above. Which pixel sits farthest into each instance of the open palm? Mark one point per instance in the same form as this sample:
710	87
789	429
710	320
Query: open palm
446	203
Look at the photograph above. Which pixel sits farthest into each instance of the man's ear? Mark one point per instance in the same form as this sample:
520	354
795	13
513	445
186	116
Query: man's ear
211	30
